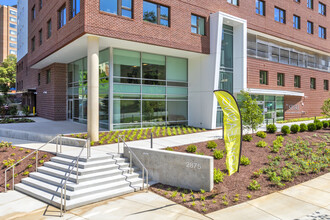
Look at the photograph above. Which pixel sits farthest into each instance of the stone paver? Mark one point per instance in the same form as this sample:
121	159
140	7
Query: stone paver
322	214
319	183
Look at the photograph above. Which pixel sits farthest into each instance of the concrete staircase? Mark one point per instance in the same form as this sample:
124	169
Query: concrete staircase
100	178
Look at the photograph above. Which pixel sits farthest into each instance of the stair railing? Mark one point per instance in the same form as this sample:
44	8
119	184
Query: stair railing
64	185
58	139
144	169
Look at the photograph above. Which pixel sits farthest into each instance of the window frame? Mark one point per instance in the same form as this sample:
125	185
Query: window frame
39	77
120	8
33	43
258	7
40	37
197	27
326	85
297	84
310	4
61	16
279	80
324	7
232	2
33	13
49	28
159	17
312	27
322	32
279	15
48	76
40	5
261	78
313	83
296	19
73	8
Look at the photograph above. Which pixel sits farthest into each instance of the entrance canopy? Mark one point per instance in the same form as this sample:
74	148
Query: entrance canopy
275	92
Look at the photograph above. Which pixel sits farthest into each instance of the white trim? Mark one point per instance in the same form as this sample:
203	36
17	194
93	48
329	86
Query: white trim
275	92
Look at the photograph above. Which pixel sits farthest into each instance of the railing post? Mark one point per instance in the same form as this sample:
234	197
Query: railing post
61	209
151	141
130	162
88	148
65	197
118	144
61	144
37	161
147	180
143	178
13	187
57	144
77	171
6	181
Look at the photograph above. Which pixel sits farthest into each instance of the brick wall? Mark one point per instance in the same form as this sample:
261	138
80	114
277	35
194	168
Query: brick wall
313	99
51	97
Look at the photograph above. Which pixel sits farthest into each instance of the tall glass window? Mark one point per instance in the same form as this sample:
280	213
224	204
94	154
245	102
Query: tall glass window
322	9
155	13
310	27
62	17
104	73
260	7
322	32
279	15
74	7
310	4
197	25
296	22
118	7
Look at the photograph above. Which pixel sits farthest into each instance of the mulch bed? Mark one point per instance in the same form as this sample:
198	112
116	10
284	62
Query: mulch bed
17	153
238	182
15	120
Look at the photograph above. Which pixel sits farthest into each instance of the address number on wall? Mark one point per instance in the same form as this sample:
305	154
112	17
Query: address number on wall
192	165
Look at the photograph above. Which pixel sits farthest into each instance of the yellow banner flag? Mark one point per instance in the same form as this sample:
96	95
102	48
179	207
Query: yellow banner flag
232	129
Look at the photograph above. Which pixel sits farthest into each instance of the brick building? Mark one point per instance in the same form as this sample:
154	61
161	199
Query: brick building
136	63
8	31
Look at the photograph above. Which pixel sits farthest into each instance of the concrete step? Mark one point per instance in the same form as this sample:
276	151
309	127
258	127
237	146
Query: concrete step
92	189
88	164
93	158
72	186
68	168
84	178
70	204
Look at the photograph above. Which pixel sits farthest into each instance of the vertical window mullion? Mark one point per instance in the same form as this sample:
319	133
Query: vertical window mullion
119	7
158	14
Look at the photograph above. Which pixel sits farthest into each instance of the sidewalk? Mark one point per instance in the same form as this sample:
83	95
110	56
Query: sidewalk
306	201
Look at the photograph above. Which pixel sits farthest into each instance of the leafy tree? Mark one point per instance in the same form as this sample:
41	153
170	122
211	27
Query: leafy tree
150	16
251	113
326	107
8	73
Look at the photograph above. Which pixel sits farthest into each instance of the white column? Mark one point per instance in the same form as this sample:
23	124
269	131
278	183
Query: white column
93	88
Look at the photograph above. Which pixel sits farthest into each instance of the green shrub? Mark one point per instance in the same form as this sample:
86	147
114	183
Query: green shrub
271	128
191	148
316	121
169	149
262	144
245	160
247	137
26	110
285	130
218	176
319	125
254	185
261	134
303	127
325	124
218	154
211	145
311	127
295	129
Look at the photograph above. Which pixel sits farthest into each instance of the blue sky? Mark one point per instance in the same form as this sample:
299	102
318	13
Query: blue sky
8	2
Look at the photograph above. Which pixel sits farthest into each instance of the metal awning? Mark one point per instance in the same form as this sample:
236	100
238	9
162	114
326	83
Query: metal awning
275	92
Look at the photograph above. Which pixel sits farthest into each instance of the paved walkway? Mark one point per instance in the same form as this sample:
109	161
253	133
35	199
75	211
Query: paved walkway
306	201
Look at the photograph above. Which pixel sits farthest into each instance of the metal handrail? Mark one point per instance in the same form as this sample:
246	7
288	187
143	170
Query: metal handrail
63	207
144	169
35	151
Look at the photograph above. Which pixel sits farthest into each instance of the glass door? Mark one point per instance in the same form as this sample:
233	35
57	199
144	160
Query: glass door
70	109
270	114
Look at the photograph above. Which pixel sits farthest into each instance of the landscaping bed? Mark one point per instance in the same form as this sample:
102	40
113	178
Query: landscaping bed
302	156
111	137
15	120
9	155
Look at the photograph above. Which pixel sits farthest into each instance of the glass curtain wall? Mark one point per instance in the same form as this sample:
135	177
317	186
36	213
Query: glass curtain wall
149	90
226	67
77	89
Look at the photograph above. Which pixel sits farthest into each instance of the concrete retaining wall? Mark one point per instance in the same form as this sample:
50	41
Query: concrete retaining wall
176	169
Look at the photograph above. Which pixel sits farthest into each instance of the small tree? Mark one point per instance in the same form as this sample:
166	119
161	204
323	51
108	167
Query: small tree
251	113
326	107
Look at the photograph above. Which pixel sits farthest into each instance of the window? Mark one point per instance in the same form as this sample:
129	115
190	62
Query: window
296	22
234	2
326	85
13	25
40	4
310	4
155	13
313	83
40	37
322	32
48	77
310	27
62	17
12	45
322	9
197	25
33	13
74	7
279	15
38	79
12	52
13	32
118	7
13	12
280	79
264	77
260	7
33	43
297	81
298	1
13	39
49	28
12	19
